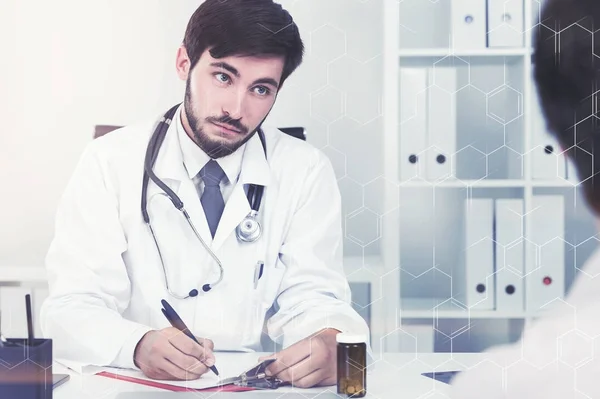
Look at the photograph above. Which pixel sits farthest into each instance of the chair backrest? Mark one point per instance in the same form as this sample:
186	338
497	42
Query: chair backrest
295	131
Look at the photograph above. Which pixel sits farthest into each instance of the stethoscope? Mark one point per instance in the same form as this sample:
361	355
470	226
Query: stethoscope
249	229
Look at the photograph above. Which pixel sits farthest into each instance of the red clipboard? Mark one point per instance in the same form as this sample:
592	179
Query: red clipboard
175	388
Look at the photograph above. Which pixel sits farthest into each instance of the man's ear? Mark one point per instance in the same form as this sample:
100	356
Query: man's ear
182	63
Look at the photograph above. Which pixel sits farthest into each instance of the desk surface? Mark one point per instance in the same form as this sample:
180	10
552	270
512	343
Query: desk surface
394	374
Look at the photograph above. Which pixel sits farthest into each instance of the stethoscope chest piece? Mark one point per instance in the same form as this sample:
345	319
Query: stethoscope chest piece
249	229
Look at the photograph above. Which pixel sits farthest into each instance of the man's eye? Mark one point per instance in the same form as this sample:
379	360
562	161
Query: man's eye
221	77
261	90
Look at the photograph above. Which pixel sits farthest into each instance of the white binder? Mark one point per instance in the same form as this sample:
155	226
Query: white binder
413	122
505	23
441	124
479	290
545	268
468	24
510	255
548	161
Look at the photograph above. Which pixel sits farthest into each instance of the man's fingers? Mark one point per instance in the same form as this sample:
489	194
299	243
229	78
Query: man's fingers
299	370
185	362
315	378
174	371
289	357
206	343
186	345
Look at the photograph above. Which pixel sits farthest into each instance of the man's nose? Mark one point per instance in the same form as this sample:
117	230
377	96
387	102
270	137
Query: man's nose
234	107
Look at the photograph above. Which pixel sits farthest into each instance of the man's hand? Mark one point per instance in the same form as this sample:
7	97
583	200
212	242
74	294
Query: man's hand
169	354
309	362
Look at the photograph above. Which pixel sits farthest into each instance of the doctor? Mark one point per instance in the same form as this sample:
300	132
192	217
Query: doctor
558	355
110	263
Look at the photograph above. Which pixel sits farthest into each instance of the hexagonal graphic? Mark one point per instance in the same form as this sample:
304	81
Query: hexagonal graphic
471	162
328	43
445	71
352	195
530	348
586	376
364	95
575	349
573	175
382	196
505	104
312	74
394	339
459	327
513	257
362	226
337	159
360	142
327	105
547	160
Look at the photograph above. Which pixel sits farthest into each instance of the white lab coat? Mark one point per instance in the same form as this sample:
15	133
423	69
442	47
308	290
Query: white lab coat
105	276
557	356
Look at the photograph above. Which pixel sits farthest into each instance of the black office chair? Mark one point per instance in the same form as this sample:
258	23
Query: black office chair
296	131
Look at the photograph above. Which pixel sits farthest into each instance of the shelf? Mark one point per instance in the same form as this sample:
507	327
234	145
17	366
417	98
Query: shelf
448	52
22	274
554	183
456	183
432	308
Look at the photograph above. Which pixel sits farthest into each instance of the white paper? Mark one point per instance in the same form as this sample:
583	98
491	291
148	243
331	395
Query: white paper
228	364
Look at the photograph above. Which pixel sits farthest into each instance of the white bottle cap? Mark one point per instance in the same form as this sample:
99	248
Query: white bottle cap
350	338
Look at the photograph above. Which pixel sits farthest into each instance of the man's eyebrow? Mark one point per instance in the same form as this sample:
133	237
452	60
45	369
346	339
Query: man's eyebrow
227	67
234	71
266	81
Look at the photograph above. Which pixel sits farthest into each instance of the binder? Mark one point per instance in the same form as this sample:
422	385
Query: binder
479	290
510	255
505	23
468	24
441	123
548	161
545	268
413	122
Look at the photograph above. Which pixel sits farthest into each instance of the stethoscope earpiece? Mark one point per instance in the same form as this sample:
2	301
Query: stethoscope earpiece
206	288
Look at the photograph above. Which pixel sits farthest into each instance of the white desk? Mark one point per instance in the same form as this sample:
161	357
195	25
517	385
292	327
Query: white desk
395	375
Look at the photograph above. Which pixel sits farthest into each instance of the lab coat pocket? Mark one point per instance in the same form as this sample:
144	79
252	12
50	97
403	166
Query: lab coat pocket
264	294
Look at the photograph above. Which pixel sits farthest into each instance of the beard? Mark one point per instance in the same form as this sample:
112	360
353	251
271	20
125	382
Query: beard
213	148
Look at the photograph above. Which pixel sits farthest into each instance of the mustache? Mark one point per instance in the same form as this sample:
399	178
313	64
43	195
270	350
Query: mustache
225	120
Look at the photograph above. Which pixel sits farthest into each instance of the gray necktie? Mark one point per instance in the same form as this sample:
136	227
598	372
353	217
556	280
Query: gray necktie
212	199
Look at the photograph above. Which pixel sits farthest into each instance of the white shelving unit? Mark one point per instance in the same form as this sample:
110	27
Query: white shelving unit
410	279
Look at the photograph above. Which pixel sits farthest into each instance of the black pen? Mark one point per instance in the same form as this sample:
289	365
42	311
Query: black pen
176	322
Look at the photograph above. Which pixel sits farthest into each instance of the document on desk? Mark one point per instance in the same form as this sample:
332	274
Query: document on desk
230	365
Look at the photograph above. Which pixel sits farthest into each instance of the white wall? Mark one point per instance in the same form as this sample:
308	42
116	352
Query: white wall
68	65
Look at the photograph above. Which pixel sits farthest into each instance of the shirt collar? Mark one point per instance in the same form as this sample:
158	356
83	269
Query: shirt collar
194	158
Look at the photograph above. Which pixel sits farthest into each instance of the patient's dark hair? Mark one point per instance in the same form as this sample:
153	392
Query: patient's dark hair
567	76
244	28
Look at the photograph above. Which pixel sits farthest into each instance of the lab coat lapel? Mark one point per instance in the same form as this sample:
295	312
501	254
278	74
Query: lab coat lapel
170	169
254	170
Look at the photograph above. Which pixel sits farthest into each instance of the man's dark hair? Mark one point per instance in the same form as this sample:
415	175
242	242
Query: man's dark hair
244	28
567	75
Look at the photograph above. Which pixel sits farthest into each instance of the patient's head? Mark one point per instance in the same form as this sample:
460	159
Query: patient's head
567	77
